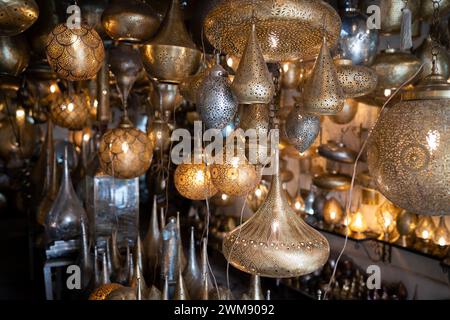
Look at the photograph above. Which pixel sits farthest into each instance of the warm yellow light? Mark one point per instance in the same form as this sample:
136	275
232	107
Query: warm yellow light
125	147
199	176
20	114
53	88
441	234
86	137
387	92
425	234
358	223
425	228
230	62
298	205
95	103
258	192
70	107
433	138
285	67
333	215
224	197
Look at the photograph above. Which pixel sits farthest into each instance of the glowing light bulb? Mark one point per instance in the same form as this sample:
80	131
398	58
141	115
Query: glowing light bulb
125	147
224	197
230	62
333	215
70	107
387	92
285	67
297	205
199	177
86	137
258	192
20	114
95	103
53	88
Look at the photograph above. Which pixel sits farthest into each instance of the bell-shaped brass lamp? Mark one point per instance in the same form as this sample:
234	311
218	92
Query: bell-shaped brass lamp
275	242
171	55
253	82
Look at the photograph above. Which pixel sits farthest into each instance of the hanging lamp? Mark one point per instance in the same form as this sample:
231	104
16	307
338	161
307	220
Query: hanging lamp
193	181
253	82
301	128
72	112
275	242
15	55
355	80
358	42
347	114
287	29
441	235
323	94
409	149
171	55
216	102
130	20
75	54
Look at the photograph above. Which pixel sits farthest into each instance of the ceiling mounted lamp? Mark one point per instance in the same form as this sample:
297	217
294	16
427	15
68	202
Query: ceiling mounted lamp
409	149
355	81
216	102
275	242
16	16
253	82
301	128
130	20
193	181
357	41
125	152
75	54
287	29
323	94
171	55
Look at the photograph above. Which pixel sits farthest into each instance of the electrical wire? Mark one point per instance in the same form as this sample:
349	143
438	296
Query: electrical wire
349	200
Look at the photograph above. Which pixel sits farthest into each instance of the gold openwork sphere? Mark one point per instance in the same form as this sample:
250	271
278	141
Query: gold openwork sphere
102	292
125	152
235	177
75	54
409	150
71	113
193	181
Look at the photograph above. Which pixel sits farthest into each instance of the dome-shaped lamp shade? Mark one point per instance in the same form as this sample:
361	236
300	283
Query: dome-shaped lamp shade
125	152
323	94
75	54
409	150
193	181
275	242
130	20
287	29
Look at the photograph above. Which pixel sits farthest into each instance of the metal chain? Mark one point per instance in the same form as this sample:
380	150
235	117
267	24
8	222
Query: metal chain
435	35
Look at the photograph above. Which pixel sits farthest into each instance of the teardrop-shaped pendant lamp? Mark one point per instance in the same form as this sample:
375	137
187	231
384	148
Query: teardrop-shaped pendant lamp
216	102
355	80
172	55
301	128
275	242
323	94
253	81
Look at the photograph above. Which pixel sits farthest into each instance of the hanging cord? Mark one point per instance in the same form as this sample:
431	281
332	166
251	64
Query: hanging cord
349	200
435	36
